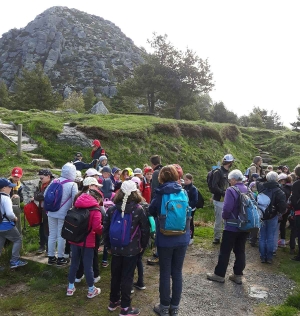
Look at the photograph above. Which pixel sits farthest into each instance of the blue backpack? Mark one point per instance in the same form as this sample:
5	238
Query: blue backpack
249	216
119	230
175	214
53	196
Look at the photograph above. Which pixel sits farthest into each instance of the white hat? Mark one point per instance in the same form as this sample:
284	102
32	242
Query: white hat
282	176
92	172
90	181
228	158
78	176
137	171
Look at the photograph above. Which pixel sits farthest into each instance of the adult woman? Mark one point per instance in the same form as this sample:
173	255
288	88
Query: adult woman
233	238
171	249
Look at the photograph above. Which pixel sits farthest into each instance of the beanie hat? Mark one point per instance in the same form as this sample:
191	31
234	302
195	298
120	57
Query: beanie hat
96	142
115	169
17	172
102	158
106	169
127	187
107	188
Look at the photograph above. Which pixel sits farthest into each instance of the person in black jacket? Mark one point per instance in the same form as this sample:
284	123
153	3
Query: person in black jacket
80	165
219	185
270	215
295	201
124	259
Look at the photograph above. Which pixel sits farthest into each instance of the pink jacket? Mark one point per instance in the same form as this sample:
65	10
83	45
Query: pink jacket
87	201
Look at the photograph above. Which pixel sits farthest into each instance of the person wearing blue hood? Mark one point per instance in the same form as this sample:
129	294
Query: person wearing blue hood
56	219
171	249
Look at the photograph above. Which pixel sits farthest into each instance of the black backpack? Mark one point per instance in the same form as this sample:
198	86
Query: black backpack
200	202
209	178
76	224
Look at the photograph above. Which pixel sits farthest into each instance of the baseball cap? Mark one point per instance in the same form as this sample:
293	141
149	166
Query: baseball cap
148	169
17	172
137	180
137	171
92	172
228	158
282	176
96	142
6	183
78	154
91	180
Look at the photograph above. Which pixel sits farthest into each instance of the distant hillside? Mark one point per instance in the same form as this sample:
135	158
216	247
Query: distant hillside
76	49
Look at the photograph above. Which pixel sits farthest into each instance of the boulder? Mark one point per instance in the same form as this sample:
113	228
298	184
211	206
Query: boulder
99	108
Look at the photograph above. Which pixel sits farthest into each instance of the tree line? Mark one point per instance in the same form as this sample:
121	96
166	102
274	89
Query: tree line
170	83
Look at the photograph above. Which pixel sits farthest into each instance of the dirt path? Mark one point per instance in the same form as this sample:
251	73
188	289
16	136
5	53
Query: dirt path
203	297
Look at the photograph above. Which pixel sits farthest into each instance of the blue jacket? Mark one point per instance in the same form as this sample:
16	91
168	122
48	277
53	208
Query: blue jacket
154	210
80	165
192	194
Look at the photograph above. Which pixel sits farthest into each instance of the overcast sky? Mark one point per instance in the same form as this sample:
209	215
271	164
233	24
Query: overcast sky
252	46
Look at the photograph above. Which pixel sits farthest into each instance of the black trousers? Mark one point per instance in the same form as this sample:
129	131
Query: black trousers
235	241
122	272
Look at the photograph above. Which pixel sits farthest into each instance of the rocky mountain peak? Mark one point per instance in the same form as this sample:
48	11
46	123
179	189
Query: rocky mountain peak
77	50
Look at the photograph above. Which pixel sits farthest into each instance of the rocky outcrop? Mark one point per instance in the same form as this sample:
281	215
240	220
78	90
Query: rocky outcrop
76	49
99	108
72	136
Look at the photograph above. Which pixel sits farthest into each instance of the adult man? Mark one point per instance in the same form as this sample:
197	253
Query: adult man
80	165
8	228
156	166
219	185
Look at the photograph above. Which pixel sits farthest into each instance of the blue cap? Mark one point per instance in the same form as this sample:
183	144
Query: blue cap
115	169
6	183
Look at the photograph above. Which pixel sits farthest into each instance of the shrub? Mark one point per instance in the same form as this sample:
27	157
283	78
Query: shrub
190	130
170	129
212	133
230	132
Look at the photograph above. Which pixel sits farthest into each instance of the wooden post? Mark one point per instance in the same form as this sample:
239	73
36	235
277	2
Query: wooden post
19	139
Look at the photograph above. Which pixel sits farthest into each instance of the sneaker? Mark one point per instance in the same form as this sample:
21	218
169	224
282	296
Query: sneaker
96	291
153	261
262	260
191	241
139	286
70	292
216	241
17	263
62	262
236	278
113	306
132	290
214	277
161	310
79	279
40	250
67	256
105	264
274	254
174	311
97	279
269	261
52	260
130	311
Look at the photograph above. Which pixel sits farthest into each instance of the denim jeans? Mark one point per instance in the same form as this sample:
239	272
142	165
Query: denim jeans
55	226
266	240
170	264
235	241
218	219
87	255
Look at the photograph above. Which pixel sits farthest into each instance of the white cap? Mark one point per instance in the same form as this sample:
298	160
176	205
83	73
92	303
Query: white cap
282	176
90	181
228	158
92	172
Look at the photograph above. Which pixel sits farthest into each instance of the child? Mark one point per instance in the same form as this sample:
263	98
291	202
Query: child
106	172
86	251
124	258
126	174
103	162
115	178
145	186
193	199
138	173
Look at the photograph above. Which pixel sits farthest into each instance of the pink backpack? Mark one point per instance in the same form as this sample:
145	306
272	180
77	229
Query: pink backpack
107	203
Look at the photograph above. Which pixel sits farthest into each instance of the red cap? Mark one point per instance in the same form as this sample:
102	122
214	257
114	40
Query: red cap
147	170
97	143
17	172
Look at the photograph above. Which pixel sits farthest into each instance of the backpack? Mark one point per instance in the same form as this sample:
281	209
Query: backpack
1	215
107	203
246	174
175	214
265	203
249	216
200	202
53	196
32	214
119	230
76	224
209	178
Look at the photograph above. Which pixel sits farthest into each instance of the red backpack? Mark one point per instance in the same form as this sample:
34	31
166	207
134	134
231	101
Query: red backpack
32	214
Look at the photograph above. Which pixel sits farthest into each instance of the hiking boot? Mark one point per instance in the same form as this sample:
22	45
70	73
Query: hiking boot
153	261
105	264
214	277
70	292
40	250
263	260
174	311
96	291
296	258
236	278
79	279
216	241
113	306
18	263
161	310
97	279
129	311
62	262
140	286
52	260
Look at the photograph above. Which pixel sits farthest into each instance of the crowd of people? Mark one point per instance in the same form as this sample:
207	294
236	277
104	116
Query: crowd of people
125	210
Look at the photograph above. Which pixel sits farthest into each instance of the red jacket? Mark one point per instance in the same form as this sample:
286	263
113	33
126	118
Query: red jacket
145	188
87	201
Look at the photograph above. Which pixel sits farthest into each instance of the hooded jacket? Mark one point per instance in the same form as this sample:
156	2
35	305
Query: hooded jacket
139	241
87	201
70	189
295	199
219	183
154	210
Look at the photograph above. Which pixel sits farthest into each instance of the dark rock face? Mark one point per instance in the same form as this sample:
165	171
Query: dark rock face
76	49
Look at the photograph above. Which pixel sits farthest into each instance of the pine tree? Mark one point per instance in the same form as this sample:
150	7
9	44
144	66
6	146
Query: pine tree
5	101
89	99
296	125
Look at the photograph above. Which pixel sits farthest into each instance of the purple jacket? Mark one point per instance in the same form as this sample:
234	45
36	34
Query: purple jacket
231	205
